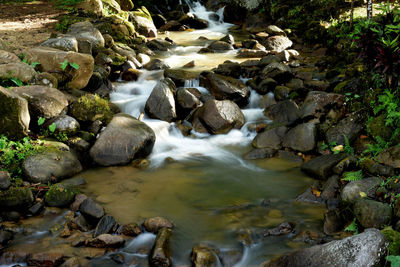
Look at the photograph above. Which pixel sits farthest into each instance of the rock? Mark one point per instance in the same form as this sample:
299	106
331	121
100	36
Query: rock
282	229
260	153
295	84
333	222
63	42
64	124
5	237
219	117
106	241
351	192
91	7
193	22
316	85
91	210
371	213
277	43
156	64
130	75
284	112
225	88
126	5
124	139
90	108
75	262
21	71
43	101
105	225
302	138
228	39
5	180
265	61
179	77
51	165
8	57
159	20
229	68
36	208
251	53
143	24
365	249
281	92
16	197
46	79
321	167
218	46
156	223
318	103
330	188
249	43
161	252
131	229
267	85
143	58
205	256
161	103
45	259
159	45
270	138
85	31
60	195
390	157
171	25
275	30
186	100
349	128
309	197
277	71
50	59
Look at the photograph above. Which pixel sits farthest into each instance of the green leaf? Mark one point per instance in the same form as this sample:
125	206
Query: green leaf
352	176
74	65
353	227
34	64
52	127
17	81
40	121
64	64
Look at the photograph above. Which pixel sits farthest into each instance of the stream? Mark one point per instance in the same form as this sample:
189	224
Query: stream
200	182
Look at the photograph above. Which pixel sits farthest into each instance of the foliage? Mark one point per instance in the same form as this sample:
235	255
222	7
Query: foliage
394	260
347	147
51	131
353	227
377	147
66	63
393	237
352	176
67	4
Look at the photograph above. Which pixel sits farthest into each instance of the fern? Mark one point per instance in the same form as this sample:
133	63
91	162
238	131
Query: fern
352	176
353	227
377	147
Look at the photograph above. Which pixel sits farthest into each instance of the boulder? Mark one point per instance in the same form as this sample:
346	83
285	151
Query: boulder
16	197
351	192
46	259
218	46
229	68
5	180
19	70
154	224
161	102
275	30
251	53
219	117
89	108
105	225
60	195
64	124
277	71
51	165
43	101
371	213
390	157
179	77
51	59
267	85
91	7
85	31
8	57
159	45
284	112
91	210
281	92
161	253
277	43
205	256
156	64
186	100
228	39
63	42
14	114
143	24
365	249
349	128
302	138
124	139
321	167
318	103
106	241
225	88
270	138
193	22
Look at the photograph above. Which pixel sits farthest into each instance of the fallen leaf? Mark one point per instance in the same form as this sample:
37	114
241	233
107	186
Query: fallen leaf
362	194
315	191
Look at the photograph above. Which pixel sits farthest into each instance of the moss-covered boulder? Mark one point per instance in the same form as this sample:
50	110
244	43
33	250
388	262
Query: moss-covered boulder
118	27
14	114
16	197
111	6
60	195
90	108
376	127
393	237
143	22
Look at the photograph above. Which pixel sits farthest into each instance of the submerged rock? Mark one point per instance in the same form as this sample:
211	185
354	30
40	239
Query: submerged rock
161	252
91	210
204	255
106	241
156	223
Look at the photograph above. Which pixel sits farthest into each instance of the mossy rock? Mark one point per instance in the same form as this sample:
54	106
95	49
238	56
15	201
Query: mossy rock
126	5
143	12
117	59
90	108
118	27
111	7
60	195
67	20
376	127
393	237
16	197
339	88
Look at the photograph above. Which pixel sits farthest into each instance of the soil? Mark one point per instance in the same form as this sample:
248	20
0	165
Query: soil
27	24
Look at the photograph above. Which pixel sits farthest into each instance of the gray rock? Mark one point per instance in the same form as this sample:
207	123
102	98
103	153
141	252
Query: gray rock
321	167
317	103
302	138
218	46
349	128
285	112
193	22
390	157
161	252
260	153
371	213
85	31
351	192
228	39
161	103
275	30
277	71
270	138
267	85
265	61
91	210
5	180
365	249
229	68
104	226
22	71
64	124
186	100
50	166
277	43
65	43
281	92
156	64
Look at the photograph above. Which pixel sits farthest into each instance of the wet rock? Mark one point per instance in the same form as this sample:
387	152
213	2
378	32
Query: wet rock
85	31
143	24
302	138
106	241
131	229
91	210
321	167
159	45
390	157
161	102
64	124
229	68
172	25
14	114
51	165
124	139
5	181
295	84
330	188
65	43
228	39
193	22
281	92
249	43
371	213
282	229
190	64
130	75
231	257
316	85
179	77
36	208
79	198
205	256
277	43
5	237
225	88
156	64
365	249
12	256
267	85
219	117
333	222
143	58
156	223
351	192
270	138
60	195
277	71
284	112
75	262
275	30
349	128
43	101
218	46
104	226
260	153
50	58
251	53
161	252
265	61
308	196
90	108
80	223
46	259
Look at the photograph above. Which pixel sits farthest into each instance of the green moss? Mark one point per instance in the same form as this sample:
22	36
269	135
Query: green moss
339	88
89	108
16	197
60	195
376	127
143	12
67	20
393	237
118	27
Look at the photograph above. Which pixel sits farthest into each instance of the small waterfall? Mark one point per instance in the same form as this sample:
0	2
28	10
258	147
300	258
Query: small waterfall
192	83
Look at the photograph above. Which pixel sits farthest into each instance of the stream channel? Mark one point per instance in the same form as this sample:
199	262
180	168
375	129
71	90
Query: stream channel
200	182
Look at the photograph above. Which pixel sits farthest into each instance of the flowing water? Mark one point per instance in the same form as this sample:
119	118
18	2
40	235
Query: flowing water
200	182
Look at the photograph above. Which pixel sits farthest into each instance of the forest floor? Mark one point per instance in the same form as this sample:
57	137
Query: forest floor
26	24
